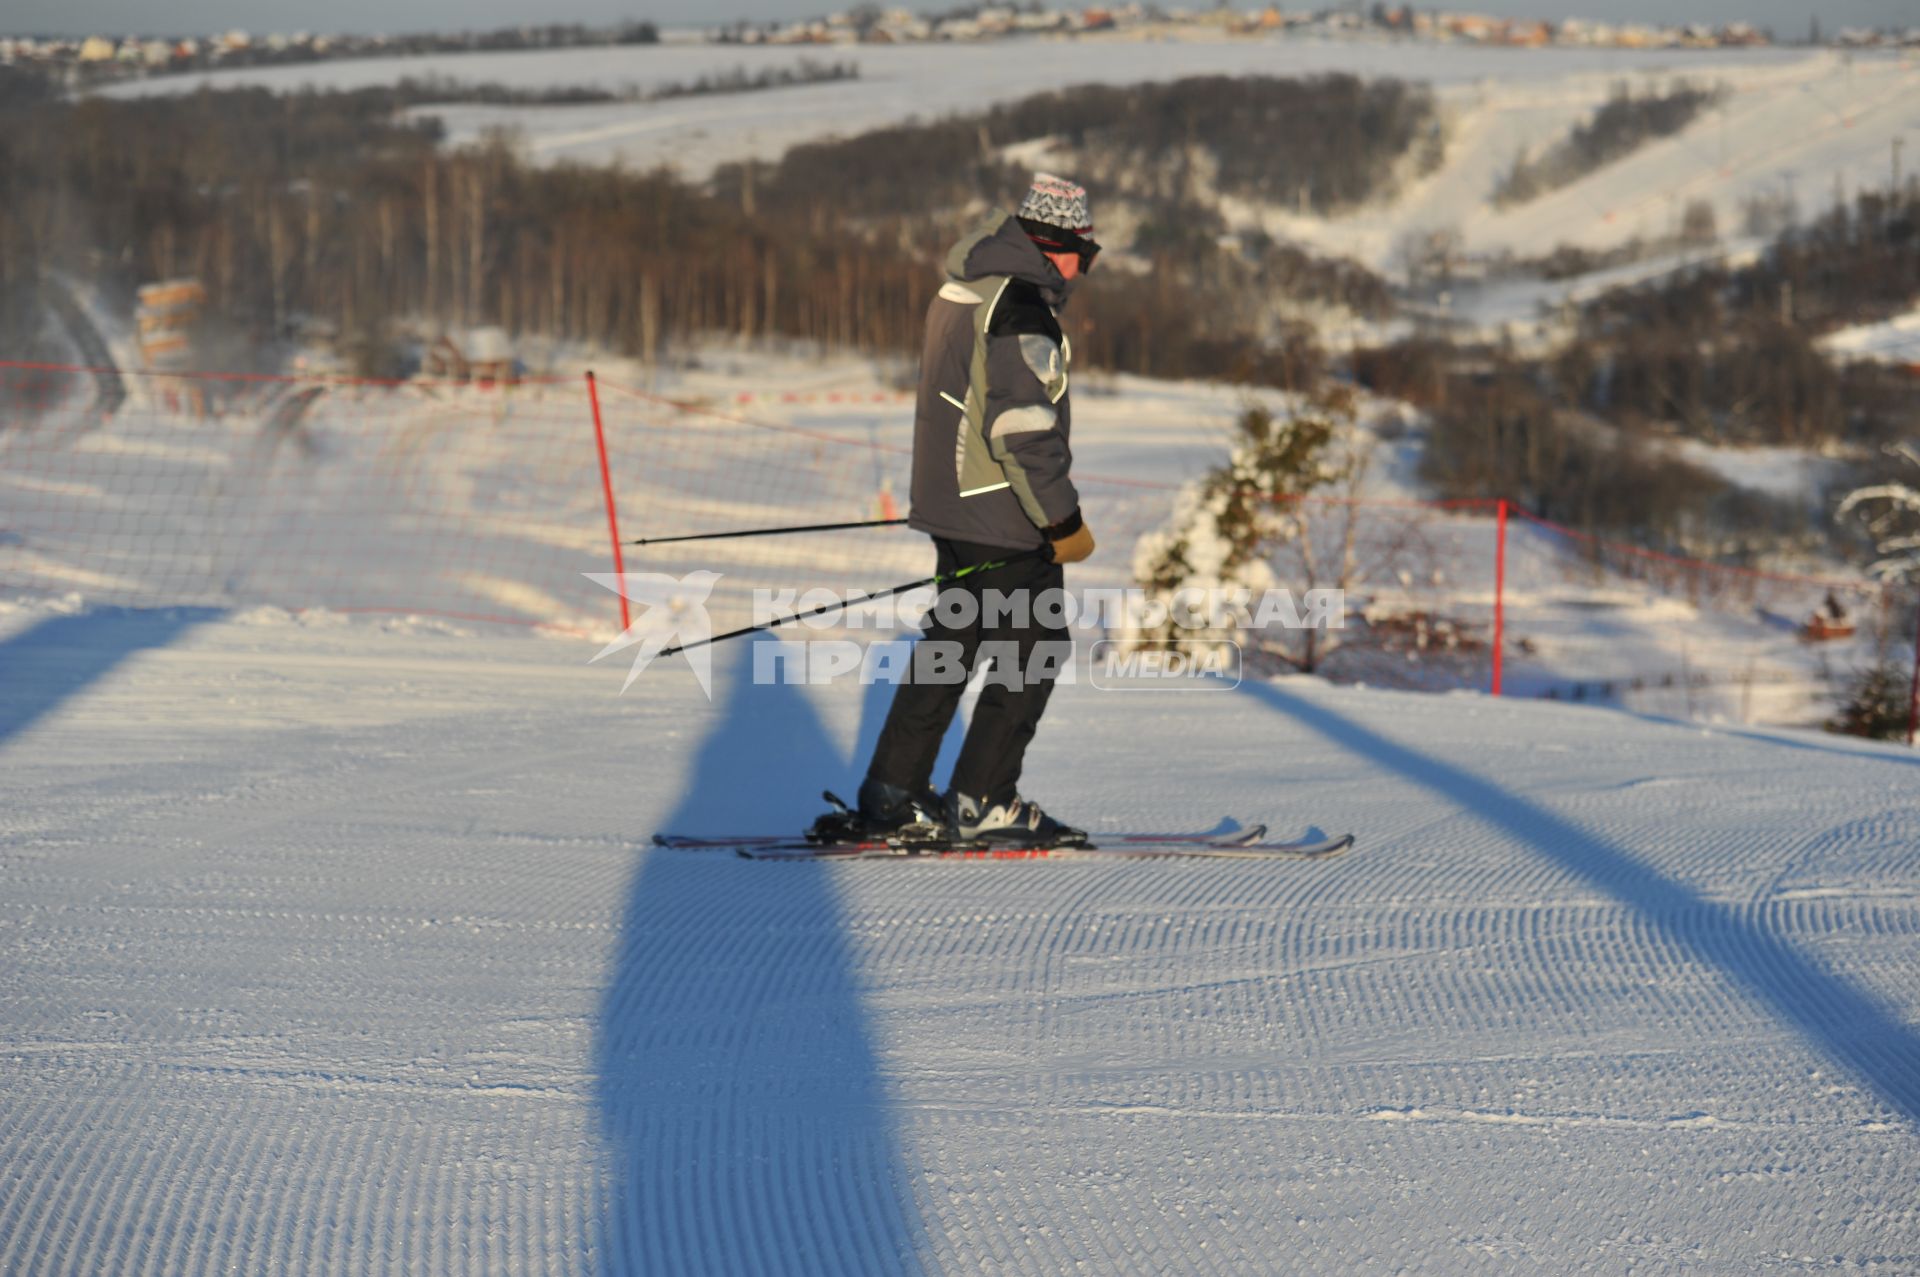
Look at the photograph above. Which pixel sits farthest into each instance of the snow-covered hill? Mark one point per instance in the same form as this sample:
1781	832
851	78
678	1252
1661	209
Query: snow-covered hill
1795	123
335	947
1800	130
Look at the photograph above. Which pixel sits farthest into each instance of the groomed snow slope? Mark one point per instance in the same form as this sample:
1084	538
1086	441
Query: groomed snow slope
334	947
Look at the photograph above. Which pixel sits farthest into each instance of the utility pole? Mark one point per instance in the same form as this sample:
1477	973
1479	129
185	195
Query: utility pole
1898	142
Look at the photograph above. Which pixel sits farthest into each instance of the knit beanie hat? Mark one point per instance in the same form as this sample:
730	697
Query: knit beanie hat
1057	202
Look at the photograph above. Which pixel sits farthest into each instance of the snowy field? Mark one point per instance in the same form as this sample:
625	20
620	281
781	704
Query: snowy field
1795	122
335	946
1894	341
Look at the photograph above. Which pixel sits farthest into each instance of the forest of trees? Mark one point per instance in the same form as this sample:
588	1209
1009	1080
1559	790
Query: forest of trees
440	90
1499	431
1335	140
329	206
1726	355
1323	143
1729	354
1858	261
1622	126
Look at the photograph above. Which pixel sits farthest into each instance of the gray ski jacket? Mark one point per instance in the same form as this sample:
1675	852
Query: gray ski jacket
990	451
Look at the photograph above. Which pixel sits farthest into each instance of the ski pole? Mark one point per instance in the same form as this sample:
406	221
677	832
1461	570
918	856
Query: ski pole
767	532
946	578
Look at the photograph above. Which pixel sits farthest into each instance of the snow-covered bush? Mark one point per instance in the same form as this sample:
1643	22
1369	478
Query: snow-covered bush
1891	515
1225	528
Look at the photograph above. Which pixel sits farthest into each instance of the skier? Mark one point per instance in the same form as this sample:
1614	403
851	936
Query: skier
991	485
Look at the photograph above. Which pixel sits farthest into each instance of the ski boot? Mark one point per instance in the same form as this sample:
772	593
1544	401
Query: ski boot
1013	823
885	812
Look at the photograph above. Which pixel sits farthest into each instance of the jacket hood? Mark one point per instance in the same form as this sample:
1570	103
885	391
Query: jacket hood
999	246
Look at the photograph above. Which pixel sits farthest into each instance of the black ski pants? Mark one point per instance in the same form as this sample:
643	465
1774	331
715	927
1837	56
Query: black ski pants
1012	701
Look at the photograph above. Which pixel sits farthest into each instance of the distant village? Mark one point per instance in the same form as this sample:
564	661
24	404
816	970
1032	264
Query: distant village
1153	21
84	60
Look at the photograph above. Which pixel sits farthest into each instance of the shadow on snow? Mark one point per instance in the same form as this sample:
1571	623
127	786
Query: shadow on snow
59	658
1847	1024
739	1090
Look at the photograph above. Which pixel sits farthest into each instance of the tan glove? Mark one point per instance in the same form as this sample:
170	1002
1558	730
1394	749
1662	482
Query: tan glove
1075	545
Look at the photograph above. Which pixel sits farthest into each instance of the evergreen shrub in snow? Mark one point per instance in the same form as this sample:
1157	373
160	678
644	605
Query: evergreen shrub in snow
1225	528
1875	706
1877	703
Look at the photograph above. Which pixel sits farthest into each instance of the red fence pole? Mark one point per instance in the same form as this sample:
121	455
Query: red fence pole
1499	591
606	486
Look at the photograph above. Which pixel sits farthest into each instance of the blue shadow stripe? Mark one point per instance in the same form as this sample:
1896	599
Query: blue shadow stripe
743	1105
57	659
1848	1025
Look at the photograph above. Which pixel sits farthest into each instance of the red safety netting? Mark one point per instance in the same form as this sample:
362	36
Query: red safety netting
494	502
686	468
436	498
1593	620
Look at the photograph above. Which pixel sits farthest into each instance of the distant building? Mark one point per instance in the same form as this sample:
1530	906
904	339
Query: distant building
1473	26
483	355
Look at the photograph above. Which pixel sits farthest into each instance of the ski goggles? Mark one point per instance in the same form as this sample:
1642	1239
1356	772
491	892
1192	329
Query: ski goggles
1058	239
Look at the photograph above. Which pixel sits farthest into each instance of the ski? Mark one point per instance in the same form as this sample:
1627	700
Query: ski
734	842
1150	848
1241	845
